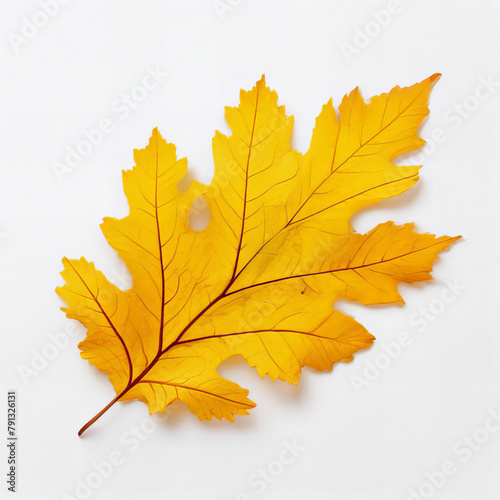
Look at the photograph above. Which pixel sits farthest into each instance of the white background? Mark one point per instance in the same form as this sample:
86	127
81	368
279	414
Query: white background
376	443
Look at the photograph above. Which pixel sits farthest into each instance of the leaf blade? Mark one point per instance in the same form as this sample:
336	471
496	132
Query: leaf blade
261	279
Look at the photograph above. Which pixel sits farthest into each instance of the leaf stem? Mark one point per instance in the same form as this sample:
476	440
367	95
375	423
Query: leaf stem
100	414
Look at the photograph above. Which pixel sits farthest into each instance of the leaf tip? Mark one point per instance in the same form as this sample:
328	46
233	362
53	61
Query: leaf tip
454	239
155	136
433	79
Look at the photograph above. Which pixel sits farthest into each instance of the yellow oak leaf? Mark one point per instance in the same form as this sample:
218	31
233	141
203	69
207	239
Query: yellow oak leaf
261	279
